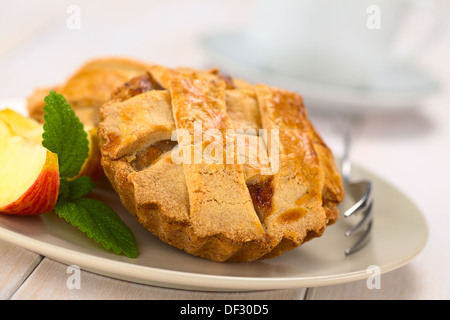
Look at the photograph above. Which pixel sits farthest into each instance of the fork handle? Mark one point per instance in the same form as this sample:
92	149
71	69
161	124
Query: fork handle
346	166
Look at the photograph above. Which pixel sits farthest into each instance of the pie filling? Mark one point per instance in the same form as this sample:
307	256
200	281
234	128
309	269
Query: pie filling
135	86
261	194
148	156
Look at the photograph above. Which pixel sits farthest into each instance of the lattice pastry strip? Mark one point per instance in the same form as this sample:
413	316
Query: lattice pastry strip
220	211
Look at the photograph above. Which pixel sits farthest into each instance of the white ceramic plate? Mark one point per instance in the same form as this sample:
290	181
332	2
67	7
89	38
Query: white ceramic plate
398	90
399	234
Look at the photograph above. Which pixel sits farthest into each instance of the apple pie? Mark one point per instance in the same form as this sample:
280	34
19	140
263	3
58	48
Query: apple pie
88	88
218	167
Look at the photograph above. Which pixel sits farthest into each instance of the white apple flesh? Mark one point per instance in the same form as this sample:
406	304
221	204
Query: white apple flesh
22	125
29	128
29	176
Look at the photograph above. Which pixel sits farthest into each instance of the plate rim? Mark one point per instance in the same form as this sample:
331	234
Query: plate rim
189	280
151	275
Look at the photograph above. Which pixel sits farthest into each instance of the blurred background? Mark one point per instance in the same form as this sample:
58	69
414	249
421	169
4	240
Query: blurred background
45	41
309	45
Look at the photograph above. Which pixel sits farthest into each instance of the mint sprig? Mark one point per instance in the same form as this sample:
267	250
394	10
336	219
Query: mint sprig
64	135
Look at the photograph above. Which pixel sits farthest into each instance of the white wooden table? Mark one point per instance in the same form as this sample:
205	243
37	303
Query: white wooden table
411	150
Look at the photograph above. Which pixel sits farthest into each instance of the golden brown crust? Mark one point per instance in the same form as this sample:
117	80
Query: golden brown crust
223	212
333	191
89	87
296	201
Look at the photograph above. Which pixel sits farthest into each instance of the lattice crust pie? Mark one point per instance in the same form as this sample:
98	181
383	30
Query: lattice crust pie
88	88
277	190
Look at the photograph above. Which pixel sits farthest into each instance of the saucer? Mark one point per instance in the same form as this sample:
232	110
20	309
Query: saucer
398	90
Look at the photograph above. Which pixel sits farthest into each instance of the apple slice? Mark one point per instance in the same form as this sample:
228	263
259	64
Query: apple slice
5	133
32	129
22	125
29	176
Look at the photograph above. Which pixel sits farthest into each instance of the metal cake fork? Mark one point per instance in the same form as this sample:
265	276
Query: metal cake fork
361	191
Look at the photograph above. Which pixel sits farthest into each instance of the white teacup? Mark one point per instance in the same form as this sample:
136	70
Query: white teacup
340	42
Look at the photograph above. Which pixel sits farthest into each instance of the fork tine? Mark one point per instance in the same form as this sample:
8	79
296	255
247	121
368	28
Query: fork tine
359	244
367	217
362	203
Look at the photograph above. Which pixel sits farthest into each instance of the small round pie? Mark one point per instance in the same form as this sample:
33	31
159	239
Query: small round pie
218	167
88	88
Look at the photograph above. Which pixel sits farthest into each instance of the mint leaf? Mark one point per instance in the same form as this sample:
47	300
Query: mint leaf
80	187
75	189
64	190
100	223
64	135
